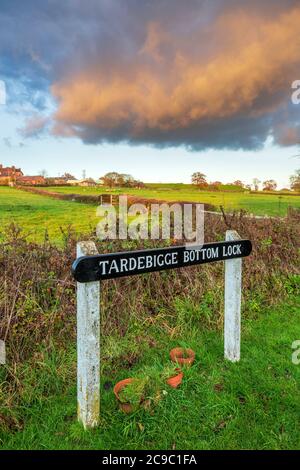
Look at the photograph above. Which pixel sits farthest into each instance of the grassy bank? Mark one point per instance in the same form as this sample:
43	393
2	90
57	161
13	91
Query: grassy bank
251	405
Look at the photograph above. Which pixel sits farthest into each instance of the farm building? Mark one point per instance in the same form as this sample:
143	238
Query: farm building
56	181
87	182
31	180
72	182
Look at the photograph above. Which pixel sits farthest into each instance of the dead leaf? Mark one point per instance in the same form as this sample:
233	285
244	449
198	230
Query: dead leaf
141	427
218	387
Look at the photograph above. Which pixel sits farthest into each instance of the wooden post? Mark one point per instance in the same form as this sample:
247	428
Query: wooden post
88	345
232	315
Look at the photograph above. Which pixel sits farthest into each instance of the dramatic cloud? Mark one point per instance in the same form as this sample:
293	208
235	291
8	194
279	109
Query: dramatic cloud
200	74
34	126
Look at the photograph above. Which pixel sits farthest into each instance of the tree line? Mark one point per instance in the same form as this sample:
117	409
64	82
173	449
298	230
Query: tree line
114	179
200	179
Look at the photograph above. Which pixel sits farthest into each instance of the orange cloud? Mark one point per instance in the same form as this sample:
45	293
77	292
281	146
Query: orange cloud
168	88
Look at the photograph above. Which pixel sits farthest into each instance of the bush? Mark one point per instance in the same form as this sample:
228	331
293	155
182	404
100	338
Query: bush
37	291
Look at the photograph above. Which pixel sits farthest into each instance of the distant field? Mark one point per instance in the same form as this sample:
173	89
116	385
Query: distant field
36	213
259	204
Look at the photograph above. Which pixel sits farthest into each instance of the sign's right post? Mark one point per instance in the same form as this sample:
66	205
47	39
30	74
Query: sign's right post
233	294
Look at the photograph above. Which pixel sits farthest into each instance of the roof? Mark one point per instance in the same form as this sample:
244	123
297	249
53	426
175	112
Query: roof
36	177
9	171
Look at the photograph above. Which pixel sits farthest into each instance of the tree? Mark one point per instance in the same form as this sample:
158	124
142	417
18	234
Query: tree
110	179
238	183
215	185
43	173
125	180
68	176
295	181
269	185
199	179
256	182
139	184
113	179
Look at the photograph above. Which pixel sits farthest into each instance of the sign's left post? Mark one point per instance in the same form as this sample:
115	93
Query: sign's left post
88	345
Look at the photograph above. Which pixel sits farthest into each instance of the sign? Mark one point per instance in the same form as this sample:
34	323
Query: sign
90	267
129	263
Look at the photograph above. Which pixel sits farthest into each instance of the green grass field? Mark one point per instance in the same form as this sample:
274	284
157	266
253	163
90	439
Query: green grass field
259	204
34	214
253	404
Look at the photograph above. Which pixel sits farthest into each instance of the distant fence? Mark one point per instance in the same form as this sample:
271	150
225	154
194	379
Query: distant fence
276	193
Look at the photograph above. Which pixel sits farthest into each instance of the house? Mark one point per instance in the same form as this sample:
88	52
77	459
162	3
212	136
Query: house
30	180
10	172
87	182
8	175
56	181
5	181
72	182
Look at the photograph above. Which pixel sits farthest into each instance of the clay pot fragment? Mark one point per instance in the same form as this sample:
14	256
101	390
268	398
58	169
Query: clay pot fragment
182	356
176	380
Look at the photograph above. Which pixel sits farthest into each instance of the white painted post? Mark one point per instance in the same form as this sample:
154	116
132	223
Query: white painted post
88	345
2	352
233	293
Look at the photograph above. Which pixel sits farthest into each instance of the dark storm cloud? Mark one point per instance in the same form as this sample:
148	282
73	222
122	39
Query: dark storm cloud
200	73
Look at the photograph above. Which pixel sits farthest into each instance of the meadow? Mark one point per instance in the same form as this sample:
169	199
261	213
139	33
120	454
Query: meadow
258	204
41	217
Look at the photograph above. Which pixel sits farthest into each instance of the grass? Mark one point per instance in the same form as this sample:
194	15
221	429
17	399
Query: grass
258	204
253	404
35	214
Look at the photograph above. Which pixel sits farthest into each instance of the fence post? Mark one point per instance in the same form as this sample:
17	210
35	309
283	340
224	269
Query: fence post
2	352
232	315
88	345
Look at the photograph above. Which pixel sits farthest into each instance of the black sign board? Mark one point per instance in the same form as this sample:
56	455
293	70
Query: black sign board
128	263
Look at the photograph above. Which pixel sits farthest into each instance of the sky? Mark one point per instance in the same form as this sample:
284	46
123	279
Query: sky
158	89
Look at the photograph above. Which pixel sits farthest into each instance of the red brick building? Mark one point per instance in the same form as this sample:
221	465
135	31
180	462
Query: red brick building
10	172
31	180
